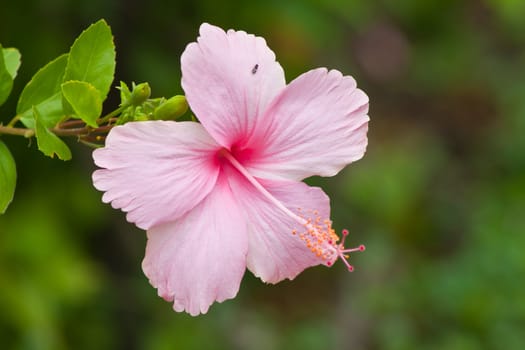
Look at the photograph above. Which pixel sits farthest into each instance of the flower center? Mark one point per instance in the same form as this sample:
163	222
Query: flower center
318	234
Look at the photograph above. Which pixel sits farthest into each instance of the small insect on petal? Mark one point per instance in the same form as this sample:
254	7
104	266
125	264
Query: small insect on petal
255	68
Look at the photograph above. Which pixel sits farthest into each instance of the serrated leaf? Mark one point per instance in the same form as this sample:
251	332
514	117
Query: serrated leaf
7	177
8	68
44	92
84	99
92	58
49	143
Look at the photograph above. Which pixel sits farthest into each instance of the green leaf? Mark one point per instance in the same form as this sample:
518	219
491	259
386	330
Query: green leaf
7	177
12	60
84	99
125	93
92	58
49	143
44	91
9	63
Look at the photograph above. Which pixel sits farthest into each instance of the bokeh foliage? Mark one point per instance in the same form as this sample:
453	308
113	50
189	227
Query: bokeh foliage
438	199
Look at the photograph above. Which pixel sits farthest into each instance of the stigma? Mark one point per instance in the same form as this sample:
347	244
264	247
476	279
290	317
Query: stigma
322	240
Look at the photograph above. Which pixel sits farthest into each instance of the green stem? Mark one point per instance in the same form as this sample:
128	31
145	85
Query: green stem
90	144
110	115
14	121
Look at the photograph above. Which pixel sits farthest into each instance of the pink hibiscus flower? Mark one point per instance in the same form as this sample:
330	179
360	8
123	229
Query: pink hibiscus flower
226	194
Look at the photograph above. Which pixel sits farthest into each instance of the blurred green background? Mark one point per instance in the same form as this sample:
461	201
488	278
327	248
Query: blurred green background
438	199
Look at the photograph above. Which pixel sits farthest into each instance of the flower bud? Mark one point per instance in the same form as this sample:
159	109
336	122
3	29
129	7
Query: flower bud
140	94
140	118
171	109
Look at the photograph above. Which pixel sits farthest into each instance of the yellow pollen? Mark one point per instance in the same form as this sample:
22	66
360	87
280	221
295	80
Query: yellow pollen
321	239
318	235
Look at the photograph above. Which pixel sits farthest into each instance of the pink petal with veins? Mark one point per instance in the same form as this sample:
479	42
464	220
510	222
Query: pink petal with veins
201	257
156	171
289	228
229	80
315	126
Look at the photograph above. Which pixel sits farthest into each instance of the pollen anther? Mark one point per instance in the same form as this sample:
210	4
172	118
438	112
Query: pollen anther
320	238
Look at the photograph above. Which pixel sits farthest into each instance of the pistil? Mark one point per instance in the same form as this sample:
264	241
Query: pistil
319	236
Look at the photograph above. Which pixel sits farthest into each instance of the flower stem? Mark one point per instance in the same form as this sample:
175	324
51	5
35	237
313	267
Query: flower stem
112	114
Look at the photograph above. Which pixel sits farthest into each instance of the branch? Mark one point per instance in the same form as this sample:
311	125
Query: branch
17	131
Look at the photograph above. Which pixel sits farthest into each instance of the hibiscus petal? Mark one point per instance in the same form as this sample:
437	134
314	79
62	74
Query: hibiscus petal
156	171
201	257
275	250
316	126
229	80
